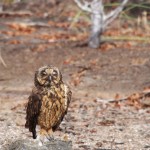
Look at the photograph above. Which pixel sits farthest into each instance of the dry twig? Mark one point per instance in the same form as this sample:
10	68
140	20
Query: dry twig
2	60
137	96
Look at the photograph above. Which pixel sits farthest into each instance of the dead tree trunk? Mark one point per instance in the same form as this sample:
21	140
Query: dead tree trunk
97	23
99	19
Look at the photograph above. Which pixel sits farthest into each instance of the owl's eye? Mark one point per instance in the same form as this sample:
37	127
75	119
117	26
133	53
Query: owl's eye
54	73
43	73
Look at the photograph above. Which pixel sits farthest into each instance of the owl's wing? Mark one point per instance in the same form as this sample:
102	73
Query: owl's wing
32	112
68	94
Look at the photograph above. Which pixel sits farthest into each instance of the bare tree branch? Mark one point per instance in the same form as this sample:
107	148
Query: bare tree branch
99	19
85	6
113	15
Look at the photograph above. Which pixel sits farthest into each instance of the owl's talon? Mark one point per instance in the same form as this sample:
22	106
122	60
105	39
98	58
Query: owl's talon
42	139
50	137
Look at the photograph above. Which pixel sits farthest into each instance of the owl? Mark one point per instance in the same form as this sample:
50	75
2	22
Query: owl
48	102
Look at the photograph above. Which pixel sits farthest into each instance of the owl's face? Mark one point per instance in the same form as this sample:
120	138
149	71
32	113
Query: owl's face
47	76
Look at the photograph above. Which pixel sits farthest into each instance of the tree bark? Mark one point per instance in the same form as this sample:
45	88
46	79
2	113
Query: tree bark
97	23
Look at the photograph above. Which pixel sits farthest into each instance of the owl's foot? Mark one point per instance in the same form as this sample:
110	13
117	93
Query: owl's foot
50	136
42	139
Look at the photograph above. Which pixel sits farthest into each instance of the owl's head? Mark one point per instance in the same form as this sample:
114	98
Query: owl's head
47	76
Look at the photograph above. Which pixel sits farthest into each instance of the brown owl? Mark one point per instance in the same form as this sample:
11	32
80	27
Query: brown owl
48	102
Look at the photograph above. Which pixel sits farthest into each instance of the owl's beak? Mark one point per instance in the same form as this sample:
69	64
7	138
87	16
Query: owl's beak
50	78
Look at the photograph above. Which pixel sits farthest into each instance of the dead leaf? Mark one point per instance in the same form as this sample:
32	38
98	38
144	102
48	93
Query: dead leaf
21	27
66	137
134	100
146	90
69	60
139	61
117	103
76	77
106	122
99	144
14	42
94	62
93	131
107	46
40	48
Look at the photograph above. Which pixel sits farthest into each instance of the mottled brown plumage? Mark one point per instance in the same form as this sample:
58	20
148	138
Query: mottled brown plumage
48	102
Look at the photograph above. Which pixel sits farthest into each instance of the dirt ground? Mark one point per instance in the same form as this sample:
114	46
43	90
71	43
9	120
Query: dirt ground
94	75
